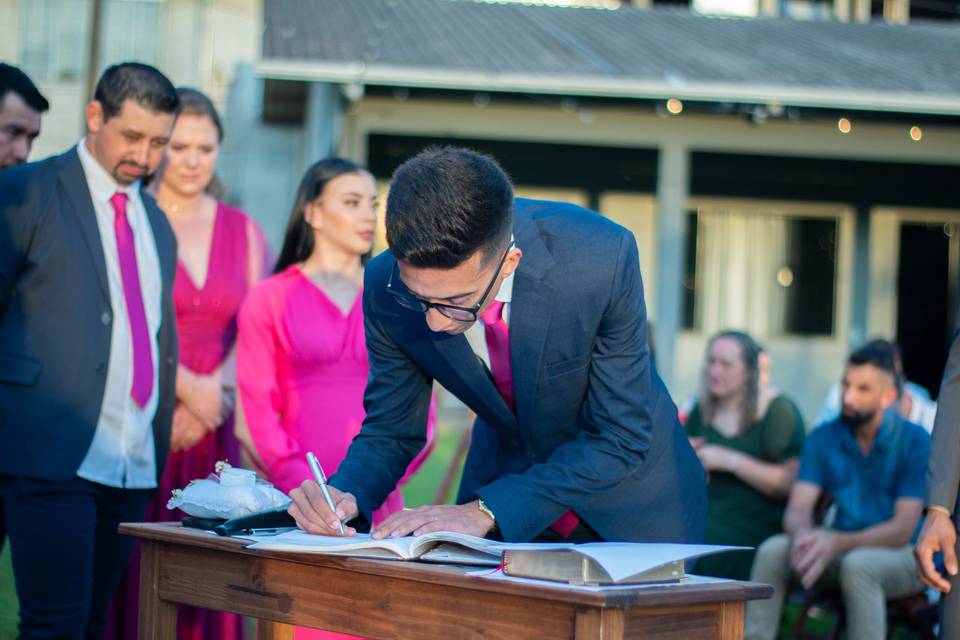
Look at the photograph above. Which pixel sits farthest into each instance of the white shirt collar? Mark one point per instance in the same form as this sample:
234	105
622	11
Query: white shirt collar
101	183
505	294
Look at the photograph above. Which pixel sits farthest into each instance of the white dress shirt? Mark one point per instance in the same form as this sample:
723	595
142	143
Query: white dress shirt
476	335
122	452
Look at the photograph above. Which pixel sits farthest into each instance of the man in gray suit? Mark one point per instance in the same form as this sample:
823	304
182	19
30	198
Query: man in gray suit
88	353
939	531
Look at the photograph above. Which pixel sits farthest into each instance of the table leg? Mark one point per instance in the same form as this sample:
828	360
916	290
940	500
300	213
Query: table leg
730	621
158	618
599	624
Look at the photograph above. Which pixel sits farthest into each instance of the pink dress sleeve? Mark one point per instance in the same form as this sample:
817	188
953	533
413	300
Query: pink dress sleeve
259	352
260	256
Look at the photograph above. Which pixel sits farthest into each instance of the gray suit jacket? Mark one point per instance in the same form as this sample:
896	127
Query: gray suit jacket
55	320
595	429
943	475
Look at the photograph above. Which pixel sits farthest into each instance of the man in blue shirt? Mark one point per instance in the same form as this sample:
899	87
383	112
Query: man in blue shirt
873	463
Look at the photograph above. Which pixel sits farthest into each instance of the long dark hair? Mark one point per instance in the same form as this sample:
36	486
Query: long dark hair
298	242
750	356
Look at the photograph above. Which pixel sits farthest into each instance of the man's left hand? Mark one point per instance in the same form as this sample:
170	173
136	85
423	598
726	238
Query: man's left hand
812	552
461	518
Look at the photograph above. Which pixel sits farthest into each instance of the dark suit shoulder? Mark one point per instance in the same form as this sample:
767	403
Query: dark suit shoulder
378	269
26	194
567	219
28	179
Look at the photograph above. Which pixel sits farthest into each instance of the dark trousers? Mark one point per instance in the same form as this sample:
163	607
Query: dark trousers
67	555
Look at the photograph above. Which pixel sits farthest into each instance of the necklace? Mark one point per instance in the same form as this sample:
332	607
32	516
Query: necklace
169	207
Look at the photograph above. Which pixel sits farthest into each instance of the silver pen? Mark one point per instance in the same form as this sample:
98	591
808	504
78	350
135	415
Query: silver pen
321	479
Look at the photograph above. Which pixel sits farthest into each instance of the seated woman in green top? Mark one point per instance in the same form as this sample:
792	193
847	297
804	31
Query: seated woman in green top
748	439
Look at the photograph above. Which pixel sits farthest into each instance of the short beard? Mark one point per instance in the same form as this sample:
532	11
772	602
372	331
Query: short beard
857	419
124	180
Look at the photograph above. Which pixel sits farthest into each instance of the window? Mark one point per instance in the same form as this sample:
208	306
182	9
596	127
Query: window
131	30
767	273
54	39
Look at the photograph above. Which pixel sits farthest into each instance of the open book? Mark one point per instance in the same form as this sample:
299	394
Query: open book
607	562
440	546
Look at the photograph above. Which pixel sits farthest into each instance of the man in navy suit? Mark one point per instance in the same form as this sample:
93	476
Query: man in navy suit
88	353
531	313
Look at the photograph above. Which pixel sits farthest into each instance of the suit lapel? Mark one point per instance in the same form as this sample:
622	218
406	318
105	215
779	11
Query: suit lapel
80	204
465	363
530	312
531	309
158	225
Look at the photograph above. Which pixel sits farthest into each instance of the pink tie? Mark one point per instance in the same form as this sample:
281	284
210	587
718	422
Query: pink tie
142	385
498	348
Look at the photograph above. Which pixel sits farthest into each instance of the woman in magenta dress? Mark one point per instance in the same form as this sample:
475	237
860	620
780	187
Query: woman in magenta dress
301	356
222	254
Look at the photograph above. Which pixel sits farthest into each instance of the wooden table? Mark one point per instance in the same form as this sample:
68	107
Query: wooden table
385	599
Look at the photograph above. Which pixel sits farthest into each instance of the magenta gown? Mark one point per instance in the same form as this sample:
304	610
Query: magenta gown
207	327
302	369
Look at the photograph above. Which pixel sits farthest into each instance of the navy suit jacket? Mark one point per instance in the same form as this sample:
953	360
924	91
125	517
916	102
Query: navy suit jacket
595	429
55	320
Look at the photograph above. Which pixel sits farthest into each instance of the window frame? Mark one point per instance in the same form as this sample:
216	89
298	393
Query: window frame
844	213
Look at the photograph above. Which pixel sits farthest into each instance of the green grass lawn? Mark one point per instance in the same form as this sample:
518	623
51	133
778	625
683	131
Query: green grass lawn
8	598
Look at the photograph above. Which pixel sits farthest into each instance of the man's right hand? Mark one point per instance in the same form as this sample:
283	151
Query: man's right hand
938	534
310	510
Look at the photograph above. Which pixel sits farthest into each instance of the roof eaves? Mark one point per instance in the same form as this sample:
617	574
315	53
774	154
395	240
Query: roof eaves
609	87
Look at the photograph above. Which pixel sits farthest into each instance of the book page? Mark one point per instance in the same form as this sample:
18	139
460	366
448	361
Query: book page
493	548
624	559
359	545
450	553
688	580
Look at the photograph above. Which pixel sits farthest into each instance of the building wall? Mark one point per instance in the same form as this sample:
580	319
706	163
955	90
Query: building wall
199	43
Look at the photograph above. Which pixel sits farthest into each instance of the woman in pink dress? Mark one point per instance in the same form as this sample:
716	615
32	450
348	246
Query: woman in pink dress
301	356
222	254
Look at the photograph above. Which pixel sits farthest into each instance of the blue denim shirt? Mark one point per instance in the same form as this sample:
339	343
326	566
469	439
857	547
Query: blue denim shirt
865	487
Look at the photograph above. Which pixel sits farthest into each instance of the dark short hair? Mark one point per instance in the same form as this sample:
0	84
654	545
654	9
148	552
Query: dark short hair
298	242
13	80
196	103
447	203
877	353
135	81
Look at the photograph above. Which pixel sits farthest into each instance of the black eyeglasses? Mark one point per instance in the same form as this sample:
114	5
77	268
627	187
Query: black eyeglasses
460	314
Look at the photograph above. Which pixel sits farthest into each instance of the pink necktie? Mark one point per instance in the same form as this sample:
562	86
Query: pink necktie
498	348
142	385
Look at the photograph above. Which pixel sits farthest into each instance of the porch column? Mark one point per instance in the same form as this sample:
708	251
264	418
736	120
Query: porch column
322	120
673	185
